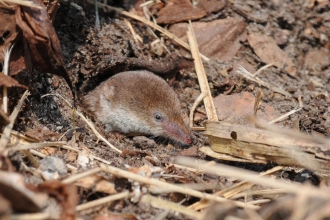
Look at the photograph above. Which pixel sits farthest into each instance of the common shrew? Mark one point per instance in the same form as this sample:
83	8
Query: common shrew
138	102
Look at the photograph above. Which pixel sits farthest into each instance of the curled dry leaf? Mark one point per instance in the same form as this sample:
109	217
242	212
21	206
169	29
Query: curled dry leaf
268	51
8	30
10	34
9	81
41	39
179	10
219	39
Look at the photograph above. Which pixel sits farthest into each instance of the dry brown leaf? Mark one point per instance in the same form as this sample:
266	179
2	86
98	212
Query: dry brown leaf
219	39
177	11
42	42
8	30
268	51
65	194
238	108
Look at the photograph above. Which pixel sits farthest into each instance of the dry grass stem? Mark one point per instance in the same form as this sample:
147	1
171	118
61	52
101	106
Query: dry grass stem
37	153
73	178
233	190
202	79
228	171
21	2
242	71
184	167
89	123
170	187
34	146
136	37
149	15
21	137
33	160
194	186
262	68
6	72
167	205
259	202
151	24
192	109
103	201
284	116
5	137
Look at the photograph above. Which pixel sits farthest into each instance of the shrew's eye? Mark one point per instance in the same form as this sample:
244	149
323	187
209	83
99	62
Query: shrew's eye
158	116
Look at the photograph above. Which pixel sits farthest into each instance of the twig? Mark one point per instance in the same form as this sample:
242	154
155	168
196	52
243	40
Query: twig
284	116
33	146
167	205
242	71
104	200
174	188
252	177
6	132
261	69
73	178
233	190
88	122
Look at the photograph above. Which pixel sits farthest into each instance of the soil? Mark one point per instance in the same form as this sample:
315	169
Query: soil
94	55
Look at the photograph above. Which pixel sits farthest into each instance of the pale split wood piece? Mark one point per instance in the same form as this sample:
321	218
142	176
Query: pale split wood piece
259	145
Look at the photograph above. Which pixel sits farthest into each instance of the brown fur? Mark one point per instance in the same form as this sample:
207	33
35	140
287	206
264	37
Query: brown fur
129	102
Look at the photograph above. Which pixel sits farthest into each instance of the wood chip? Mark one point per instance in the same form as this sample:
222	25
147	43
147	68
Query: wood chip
268	51
177	11
219	39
